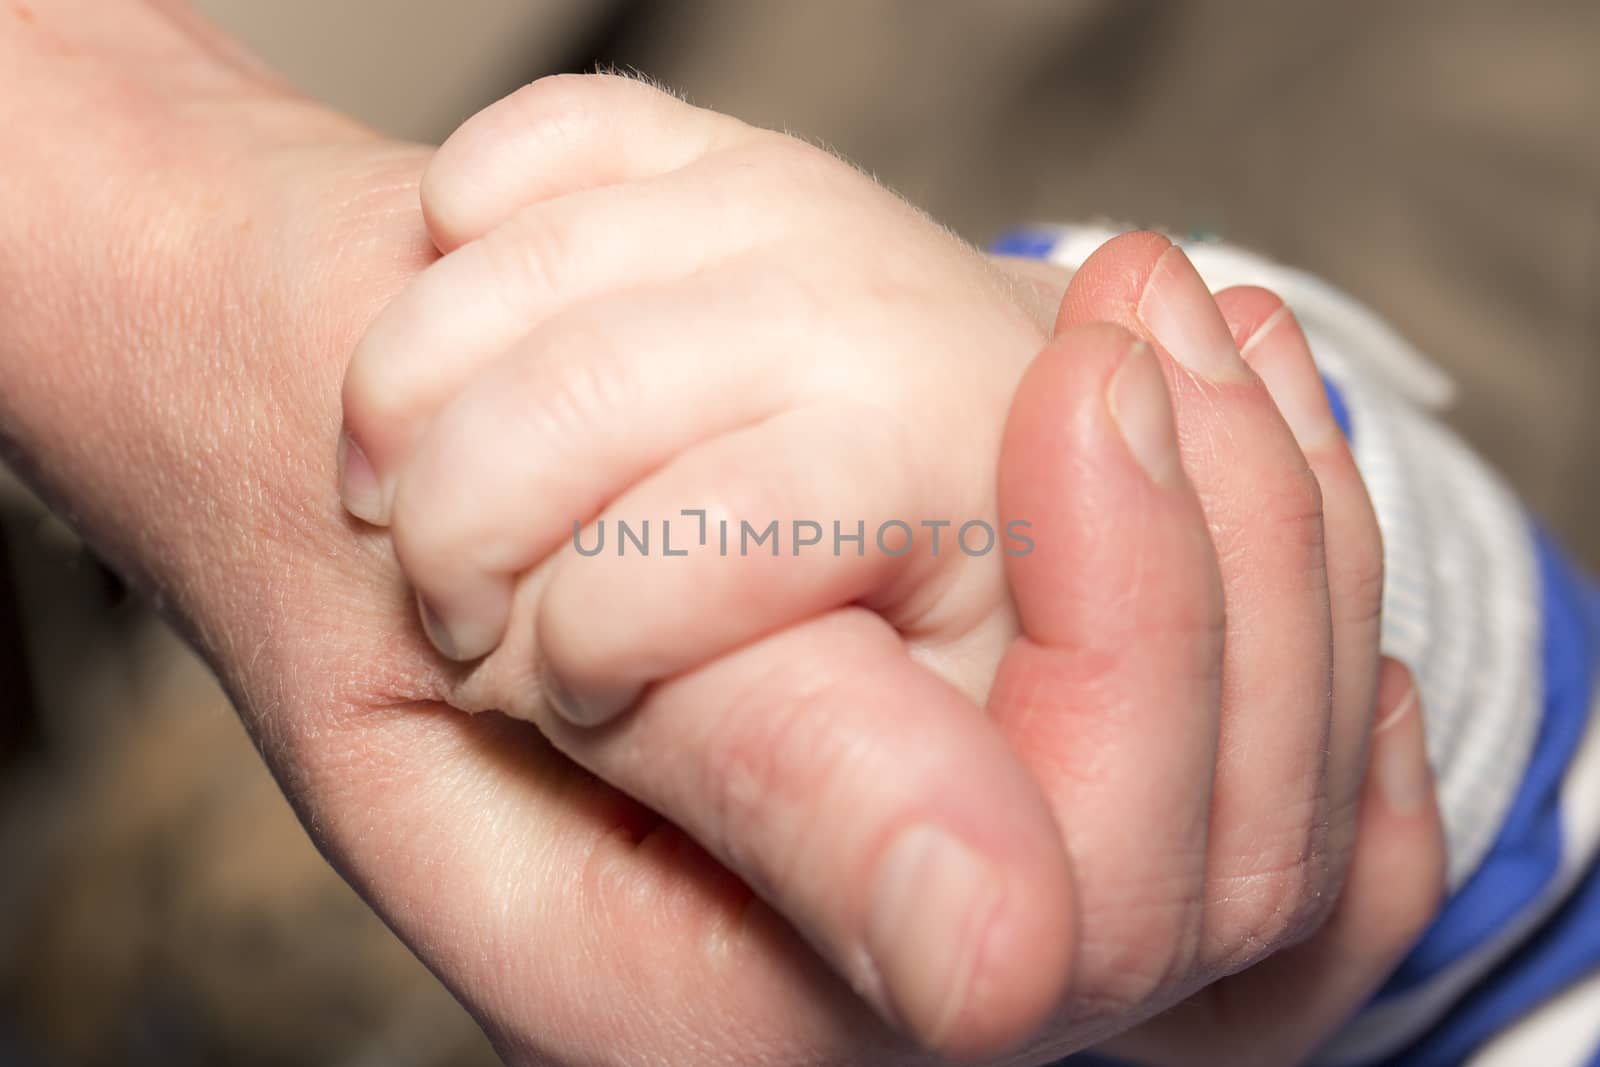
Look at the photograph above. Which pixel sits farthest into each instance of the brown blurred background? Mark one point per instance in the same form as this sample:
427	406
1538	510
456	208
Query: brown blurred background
1441	160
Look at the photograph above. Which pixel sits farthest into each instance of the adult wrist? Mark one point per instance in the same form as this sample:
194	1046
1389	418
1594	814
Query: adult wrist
168	361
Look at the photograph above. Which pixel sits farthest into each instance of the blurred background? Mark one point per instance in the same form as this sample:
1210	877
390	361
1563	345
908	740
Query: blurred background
1439	160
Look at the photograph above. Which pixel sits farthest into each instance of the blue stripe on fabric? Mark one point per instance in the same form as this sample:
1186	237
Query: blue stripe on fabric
1525	855
1027	243
1566	950
1341	410
1567	947
1527	852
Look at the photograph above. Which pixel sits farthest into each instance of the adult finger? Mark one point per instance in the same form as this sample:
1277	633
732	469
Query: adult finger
818	765
1271	341
1271	872
1111	694
1283	1008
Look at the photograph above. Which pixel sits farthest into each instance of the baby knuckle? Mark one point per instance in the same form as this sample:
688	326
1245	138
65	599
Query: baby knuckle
637	86
381	389
370	393
591	382
801	175
759	177
551	110
739	493
425	533
530	255
559	100
793	294
441	531
785	154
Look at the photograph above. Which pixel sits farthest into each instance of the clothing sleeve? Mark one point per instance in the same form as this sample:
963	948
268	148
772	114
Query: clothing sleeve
1503	637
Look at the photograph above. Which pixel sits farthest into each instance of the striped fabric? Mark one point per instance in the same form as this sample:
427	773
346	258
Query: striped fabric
1503	637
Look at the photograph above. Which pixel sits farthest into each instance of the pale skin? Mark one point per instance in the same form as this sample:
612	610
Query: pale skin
190	255
718	316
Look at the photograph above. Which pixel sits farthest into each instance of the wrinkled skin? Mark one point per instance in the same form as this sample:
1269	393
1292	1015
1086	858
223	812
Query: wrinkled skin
189	256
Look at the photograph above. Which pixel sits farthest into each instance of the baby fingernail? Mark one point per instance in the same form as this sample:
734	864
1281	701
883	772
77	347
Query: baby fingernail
581	708
932	902
1137	397
456	640
1293	382
1178	311
434	627
358	483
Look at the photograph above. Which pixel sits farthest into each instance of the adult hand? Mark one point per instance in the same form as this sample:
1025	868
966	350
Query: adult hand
198	252
1245	817
787	760
190	253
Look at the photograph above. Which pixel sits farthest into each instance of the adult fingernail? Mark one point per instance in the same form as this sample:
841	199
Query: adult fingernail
932	903
1142	411
358	483
1400	758
1292	381
1180	314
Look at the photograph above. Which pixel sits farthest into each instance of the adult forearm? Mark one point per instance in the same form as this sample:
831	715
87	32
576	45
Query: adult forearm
169	359
98	230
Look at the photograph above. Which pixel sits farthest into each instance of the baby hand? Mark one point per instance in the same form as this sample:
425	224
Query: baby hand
713	337
649	309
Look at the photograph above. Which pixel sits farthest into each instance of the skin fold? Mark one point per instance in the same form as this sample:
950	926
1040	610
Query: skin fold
190	254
